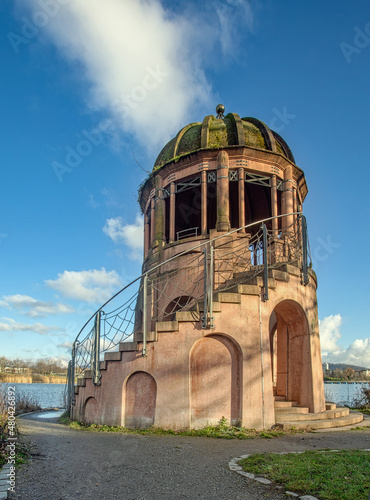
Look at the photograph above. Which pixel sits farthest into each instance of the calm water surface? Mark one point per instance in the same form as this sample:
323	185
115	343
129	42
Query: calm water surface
46	395
343	394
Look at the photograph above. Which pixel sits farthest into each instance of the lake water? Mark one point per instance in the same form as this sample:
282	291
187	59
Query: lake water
46	395
343	394
52	395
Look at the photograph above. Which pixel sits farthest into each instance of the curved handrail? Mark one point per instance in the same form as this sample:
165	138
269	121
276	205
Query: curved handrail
204	243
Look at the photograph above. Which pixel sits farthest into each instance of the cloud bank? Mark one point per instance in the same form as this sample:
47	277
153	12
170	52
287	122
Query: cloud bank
93	286
357	353
10	325
34	308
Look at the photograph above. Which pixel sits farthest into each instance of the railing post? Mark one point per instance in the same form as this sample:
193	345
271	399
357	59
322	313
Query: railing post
205	311
72	377
265	264
145	313
69	388
96	351
304	251
210	295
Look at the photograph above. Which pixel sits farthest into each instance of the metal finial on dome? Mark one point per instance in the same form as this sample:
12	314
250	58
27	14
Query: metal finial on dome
220	111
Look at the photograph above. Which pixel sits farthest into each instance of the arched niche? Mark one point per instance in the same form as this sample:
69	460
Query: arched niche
140	400
91	411
215	383
291	353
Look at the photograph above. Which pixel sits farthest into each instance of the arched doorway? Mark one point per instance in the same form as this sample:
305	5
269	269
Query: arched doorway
215	372
141	400
291	353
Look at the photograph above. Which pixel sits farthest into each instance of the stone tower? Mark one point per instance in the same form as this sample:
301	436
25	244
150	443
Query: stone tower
226	321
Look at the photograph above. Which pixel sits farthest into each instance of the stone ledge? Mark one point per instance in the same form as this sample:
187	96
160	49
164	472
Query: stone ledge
128	346
167	326
190	316
113	356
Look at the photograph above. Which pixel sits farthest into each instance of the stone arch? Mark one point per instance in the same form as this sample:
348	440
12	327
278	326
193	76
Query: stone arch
91	411
291	353
140	400
215	381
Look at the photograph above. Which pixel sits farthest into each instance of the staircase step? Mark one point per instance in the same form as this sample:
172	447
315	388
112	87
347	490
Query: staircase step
190	316
150	337
113	356
285	404
353	418
128	346
327	414
167	326
279	275
280	398
292	410
216	306
231	298
330	406
244	289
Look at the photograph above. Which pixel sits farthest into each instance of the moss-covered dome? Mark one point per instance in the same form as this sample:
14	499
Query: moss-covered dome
221	132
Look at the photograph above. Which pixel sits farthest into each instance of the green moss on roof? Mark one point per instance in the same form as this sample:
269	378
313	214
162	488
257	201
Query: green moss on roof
217	133
190	141
253	136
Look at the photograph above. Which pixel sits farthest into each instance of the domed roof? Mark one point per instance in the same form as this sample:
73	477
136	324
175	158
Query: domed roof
220	132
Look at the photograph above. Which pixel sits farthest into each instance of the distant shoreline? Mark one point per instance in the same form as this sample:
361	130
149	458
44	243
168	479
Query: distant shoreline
31	379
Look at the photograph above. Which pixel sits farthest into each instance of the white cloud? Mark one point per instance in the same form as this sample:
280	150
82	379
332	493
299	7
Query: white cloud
88	286
129	234
357	353
34	308
10	325
144	63
330	333
65	345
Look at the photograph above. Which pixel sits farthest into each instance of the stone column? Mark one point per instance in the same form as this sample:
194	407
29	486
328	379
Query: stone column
203	221
146	235
172	211
274	206
223	217
152	221
288	196
160	211
241	193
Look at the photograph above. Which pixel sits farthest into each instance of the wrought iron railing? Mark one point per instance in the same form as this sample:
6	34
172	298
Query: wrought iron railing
216	265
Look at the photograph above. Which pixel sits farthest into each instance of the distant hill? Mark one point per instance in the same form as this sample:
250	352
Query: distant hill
343	366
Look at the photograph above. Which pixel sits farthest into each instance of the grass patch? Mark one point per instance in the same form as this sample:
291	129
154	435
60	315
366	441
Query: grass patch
327	475
22	404
221	431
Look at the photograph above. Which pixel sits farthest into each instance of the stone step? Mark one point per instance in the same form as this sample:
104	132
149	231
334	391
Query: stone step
292	410
166	326
280	398
243	289
231	298
330	406
352	418
188	316
327	414
285	404
129	346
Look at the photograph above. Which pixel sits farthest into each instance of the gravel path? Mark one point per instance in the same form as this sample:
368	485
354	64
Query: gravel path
72	465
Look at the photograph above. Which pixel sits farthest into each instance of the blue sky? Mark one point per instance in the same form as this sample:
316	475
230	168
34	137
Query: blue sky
88	87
